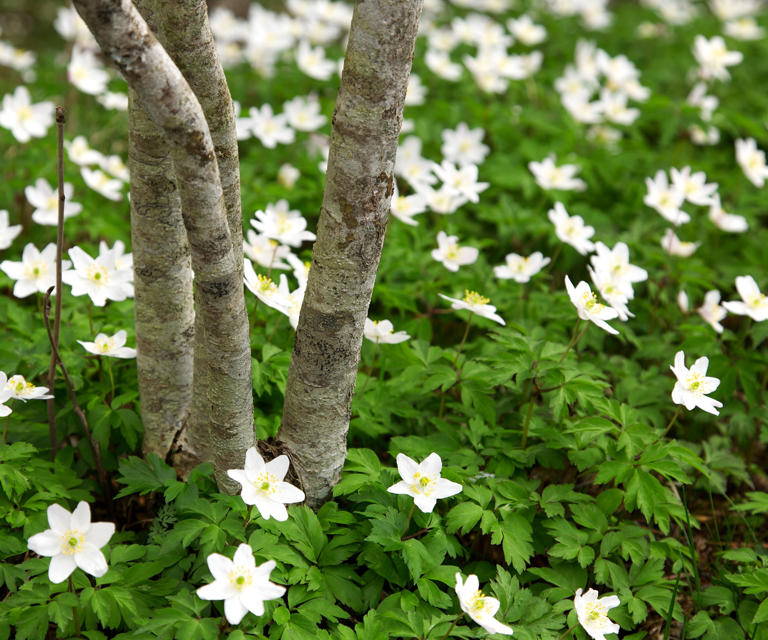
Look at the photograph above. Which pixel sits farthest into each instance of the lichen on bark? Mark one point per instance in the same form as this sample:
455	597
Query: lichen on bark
350	235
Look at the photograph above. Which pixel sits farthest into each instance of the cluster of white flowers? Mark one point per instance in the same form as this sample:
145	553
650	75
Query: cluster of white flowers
614	80
299	114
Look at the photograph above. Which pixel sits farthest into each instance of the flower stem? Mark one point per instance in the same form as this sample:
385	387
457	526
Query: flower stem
453	624
370	369
75	616
5	426
567	631
527	417
108	367
671	422
463	339
410	515
554	257
575	336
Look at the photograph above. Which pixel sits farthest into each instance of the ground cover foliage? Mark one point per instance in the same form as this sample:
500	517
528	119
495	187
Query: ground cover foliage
578	470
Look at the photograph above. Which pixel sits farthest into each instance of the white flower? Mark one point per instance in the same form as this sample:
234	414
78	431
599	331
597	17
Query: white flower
303	113
98	278
478	606
8	232
592	613
753	303
101	183
752	161
682	301
693	384
450	254
729	222
713	57
269	128
72	541
666	199
5	395
571	229
588	307
745	28
46	202
613	291
81	153
281	224
519	268
676	247
240	583
123	261
440	63
287	175
383	332
422	481
85	72
693	186
115	166
24	119
114	346
405	207
113	100
313	61
525	31
549	176
22	390
474	302
463	145
461	181
415	92
711	310
263	485
35	272
263	288
264	251
615	263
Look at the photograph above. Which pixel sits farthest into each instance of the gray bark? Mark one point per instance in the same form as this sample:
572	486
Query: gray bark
225	383
184	32
163	309
163	306
350	235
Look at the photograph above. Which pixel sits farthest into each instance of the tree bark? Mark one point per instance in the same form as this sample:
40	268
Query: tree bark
123	35
184	31
163	310
350	235
163	306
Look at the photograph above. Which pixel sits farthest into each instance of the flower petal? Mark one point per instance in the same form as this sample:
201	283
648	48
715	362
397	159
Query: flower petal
219	566
216	590
92	561
81	517
406	466
59	519
234	610
278	466
47	543
61	568
99	533
288	494
244	556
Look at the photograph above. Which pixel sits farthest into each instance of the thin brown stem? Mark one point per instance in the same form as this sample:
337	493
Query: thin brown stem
51	402
95	450
453	624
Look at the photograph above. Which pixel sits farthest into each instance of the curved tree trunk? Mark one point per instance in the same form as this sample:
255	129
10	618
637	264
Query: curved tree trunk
163	309
350	235
185	33
223	323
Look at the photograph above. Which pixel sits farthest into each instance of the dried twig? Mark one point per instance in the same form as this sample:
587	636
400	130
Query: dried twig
95	450
51	403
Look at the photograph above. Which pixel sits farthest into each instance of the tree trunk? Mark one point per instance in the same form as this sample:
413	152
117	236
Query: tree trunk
164	315
223	323
163	309
350	235
184	31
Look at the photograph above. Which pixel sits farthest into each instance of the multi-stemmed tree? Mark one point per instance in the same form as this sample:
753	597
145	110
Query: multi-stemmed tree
194	361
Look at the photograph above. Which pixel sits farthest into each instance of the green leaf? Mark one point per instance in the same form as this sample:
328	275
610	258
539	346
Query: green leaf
143	476
517	541
464	516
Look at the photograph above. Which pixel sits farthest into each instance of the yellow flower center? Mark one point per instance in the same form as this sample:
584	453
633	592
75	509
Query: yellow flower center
266	284
589	300
240	577
266	483
473	297
477	602
423	484
72	542
97	273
